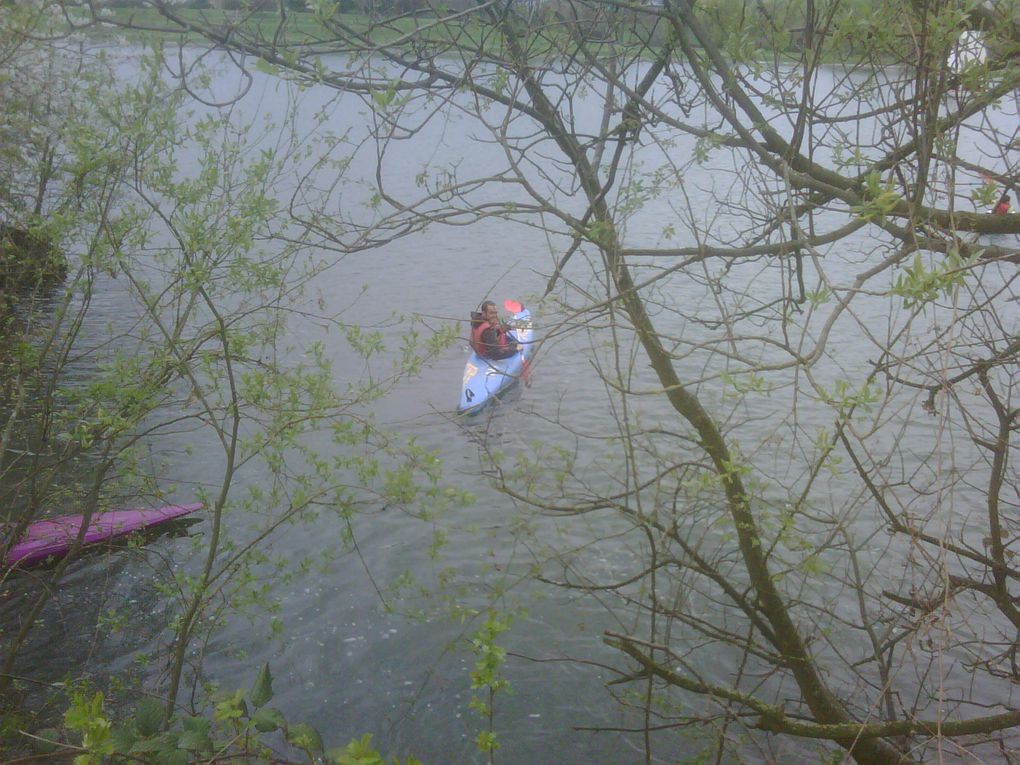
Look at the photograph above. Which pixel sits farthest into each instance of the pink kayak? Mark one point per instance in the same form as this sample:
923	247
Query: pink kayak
53	537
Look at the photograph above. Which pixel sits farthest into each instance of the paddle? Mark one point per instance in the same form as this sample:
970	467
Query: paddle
512	305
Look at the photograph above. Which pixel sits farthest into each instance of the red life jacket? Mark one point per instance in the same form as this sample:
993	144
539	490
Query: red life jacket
482	348
477	329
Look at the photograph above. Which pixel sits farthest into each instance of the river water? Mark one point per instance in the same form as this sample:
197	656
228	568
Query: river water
344	661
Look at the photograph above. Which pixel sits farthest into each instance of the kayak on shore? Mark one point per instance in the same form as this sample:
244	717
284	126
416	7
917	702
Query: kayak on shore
52	538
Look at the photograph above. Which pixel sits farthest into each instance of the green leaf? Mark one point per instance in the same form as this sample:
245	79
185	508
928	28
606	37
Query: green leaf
231	708
265	67
122	740
304	736
197	725
146	745
262	690
83	712
195	741
357	752
268	719
486	741
148	717
172	757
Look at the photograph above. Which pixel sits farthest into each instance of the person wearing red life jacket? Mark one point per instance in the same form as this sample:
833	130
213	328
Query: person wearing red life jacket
1002	206
491	338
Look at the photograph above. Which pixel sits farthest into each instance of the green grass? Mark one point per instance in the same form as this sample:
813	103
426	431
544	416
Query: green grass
305	28
300	26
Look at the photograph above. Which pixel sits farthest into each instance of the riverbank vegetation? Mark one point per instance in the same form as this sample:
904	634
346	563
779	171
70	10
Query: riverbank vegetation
168	327
744	31
803	517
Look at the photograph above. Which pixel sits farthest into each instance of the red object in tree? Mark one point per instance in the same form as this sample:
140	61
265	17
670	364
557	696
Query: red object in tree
1002	206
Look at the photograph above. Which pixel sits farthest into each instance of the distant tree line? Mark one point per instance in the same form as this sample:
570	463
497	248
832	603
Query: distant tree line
228	5
346	6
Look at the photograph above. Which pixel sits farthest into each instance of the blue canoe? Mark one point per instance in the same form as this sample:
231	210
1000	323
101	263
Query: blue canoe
485	379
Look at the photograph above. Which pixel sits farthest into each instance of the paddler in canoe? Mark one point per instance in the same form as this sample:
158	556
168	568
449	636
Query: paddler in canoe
499	355
490	337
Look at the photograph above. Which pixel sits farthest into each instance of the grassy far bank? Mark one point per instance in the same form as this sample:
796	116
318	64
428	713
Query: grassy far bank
299	28
746	32
636	37
742	28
